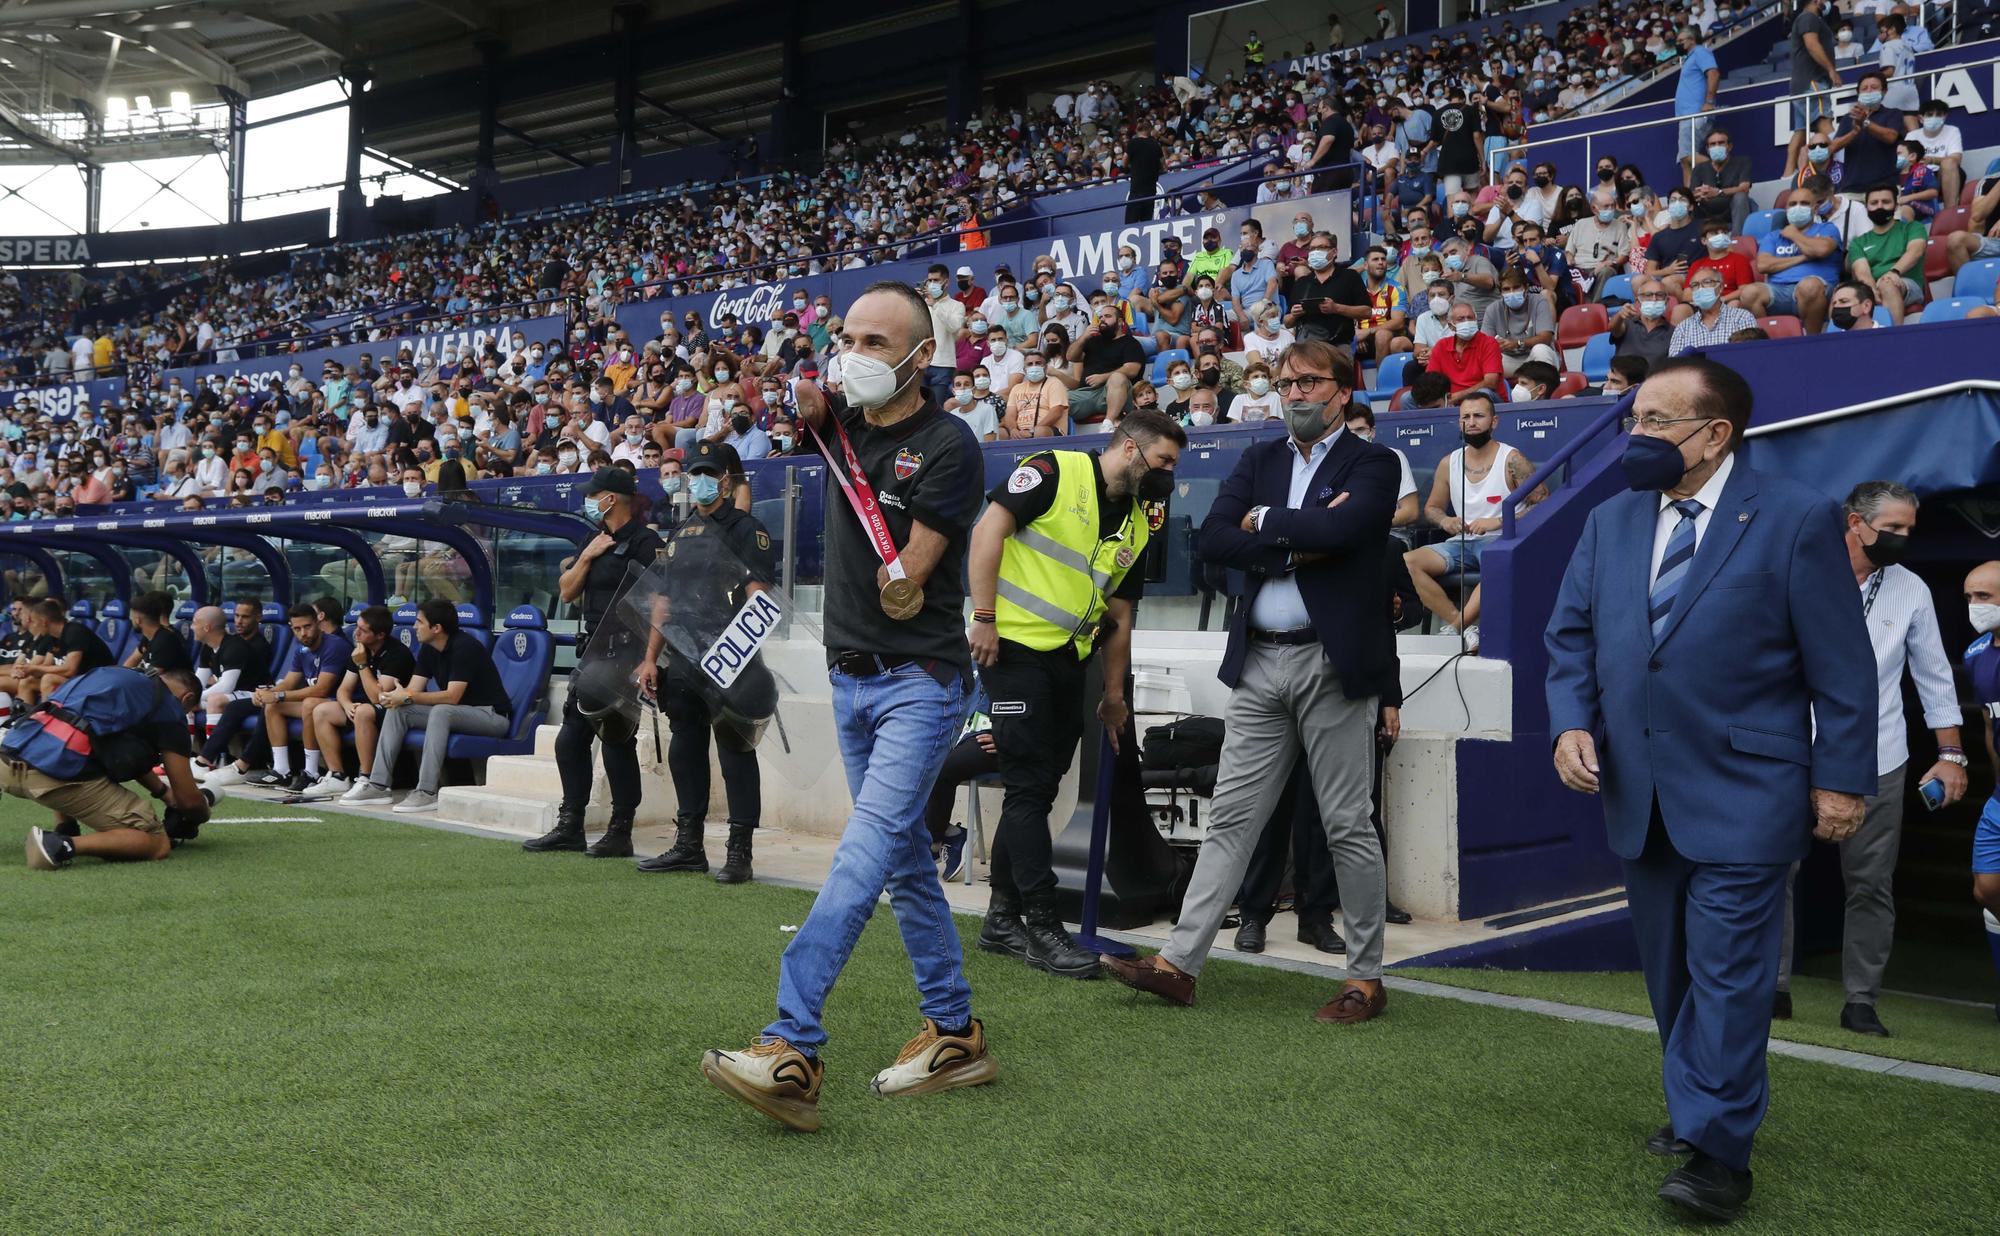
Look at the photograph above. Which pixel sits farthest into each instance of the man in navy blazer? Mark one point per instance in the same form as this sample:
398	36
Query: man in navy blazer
1710	676
1310	651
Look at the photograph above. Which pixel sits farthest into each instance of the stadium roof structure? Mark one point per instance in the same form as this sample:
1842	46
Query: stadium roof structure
62	60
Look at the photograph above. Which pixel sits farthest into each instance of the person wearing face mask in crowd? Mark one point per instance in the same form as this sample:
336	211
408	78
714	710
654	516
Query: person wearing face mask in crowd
947	320
1851	306
1720	745
1944	148
969	406
1254	278
715	560
1009	312
1214	260
1888	259
1675	247
1917	193
1642	327
1468	358
1310	655
1801	261
744	435
1626	372
1880	517
1714	321
594	582
211	473
1259	400
1037	405
1868	134
1721	185
1330	300
1739	276
1475	280
1598	244
1522	323
1037	619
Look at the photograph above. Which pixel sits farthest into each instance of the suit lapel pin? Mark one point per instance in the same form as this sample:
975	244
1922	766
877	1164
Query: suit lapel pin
1742	517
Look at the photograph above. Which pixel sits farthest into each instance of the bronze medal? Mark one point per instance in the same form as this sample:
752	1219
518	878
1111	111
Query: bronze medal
902	599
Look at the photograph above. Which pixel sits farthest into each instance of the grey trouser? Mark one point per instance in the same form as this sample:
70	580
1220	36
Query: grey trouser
438	722
1867	866
1287	699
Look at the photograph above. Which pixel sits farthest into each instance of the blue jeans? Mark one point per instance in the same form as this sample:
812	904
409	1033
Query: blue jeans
895	731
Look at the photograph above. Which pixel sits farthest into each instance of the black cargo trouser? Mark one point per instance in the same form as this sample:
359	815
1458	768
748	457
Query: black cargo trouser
1038	718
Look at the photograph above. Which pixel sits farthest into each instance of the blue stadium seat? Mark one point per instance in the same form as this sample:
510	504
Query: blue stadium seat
472	624
115	629
1597	355
1977	279
1950	308
1389	373
1165	357
1763	221
406	625
1617	288
84	612
523	655
353	619
184	620
280	636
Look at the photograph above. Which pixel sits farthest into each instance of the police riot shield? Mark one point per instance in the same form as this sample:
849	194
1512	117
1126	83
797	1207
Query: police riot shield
721	633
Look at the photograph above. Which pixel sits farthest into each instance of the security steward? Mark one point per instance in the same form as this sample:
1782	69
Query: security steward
1052	581
716	558
73	752
595	580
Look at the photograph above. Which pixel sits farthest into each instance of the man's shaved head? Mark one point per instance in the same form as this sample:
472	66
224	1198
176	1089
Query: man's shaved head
207	621
1982	584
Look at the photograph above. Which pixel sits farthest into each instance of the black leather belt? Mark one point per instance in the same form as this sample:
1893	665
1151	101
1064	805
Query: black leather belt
868	664
1297	635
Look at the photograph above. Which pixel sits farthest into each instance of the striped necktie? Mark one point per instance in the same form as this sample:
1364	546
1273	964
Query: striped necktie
1673	565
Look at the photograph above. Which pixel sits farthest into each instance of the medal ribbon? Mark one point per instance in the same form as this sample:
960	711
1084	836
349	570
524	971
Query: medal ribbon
860	494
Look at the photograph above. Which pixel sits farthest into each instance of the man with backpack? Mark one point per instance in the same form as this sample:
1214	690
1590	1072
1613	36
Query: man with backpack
73	753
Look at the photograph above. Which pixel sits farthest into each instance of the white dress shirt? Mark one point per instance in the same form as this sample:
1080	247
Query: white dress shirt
1278	606
1708	495
1902	626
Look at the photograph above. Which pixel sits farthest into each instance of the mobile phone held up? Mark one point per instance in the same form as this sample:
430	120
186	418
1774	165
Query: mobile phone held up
1933	792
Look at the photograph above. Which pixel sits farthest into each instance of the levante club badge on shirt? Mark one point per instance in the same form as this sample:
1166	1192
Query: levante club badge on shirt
907	463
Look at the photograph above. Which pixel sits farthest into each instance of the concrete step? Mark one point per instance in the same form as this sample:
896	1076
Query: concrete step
545	740
504	812
533	777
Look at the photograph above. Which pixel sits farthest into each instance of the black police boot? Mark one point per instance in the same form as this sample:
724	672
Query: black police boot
1004	932
617	839
566	835
737	869
687	854
1049	945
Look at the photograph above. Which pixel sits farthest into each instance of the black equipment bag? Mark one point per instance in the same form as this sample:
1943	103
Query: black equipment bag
1191	742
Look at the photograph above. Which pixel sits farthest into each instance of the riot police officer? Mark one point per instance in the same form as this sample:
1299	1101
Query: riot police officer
596	580
716	559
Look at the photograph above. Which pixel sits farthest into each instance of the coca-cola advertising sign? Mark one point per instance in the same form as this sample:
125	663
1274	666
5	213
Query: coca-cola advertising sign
752	306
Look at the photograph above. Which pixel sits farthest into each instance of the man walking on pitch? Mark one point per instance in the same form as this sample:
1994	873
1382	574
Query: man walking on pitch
897	658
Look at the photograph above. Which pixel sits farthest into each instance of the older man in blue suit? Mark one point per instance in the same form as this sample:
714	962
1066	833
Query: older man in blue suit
1706	622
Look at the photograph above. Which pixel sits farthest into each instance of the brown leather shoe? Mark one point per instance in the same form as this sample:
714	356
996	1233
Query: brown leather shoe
1143	975
1353	1004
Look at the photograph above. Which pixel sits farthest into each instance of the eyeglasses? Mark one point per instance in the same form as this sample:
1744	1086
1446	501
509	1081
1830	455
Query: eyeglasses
1305	385
1656	424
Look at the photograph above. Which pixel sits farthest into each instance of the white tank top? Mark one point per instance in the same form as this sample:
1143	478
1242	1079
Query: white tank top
1480	499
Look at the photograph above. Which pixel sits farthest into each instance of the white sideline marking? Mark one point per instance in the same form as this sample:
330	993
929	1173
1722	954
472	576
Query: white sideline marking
265	819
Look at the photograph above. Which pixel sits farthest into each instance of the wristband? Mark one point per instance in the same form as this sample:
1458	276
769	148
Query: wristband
1952	750
984	615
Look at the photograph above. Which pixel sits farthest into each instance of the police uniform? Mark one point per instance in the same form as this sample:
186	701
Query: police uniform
711	561
1073	551
633	545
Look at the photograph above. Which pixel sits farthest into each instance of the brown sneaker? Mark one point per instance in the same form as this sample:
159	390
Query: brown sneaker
772	1076
1146	975
934	1061
1353	1004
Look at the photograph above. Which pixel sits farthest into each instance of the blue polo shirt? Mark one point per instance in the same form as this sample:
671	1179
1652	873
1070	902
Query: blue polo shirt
1691	90
333	656
1828	268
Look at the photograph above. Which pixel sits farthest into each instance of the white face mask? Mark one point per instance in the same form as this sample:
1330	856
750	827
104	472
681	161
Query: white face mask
1440	305
1521	393
1200	419
1465	330
1181	381
413	489
1259	386
1984	618
870	382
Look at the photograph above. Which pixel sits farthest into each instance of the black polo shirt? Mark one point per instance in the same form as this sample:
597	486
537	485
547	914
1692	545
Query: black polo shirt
75	637
925	467
166	650
1338	284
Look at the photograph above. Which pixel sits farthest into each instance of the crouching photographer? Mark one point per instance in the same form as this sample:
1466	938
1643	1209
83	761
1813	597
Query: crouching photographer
73	753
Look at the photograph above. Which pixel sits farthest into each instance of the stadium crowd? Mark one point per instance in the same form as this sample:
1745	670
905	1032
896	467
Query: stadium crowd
1484	265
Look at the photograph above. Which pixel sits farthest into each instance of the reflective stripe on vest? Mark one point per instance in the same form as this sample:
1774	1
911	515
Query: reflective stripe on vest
1056	574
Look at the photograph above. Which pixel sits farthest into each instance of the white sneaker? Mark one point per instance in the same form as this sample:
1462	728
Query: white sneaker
228	774
415	801
1472	638
1445	628
330	785
366	792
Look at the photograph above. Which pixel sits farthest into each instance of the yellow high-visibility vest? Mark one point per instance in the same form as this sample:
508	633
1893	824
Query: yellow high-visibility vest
1057	574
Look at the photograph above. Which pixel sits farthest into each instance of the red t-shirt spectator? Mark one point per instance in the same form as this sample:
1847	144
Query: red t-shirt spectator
1465	362
1735	268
